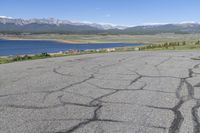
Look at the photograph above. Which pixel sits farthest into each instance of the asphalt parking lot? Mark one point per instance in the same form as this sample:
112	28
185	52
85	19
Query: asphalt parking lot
130	92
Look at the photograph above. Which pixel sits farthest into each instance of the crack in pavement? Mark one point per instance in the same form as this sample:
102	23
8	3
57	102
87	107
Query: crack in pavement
196	119
66	87
194	110
164	61
55	70
178	117
139	89
93	119
197	85
47	107
135	80
106	95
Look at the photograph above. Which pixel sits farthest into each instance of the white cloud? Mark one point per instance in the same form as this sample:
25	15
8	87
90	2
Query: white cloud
155	23
190	22
5	17
86	22
183	22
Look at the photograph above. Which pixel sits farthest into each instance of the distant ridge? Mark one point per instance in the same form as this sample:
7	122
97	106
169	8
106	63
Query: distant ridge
10	25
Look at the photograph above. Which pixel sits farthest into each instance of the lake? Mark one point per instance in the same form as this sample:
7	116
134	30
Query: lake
22	47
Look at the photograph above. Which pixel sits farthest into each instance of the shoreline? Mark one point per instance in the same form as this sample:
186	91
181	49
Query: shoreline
91	49
69	42
23	39
83	39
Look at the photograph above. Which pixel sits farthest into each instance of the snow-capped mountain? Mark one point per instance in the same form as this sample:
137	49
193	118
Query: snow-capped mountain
53	21
52	25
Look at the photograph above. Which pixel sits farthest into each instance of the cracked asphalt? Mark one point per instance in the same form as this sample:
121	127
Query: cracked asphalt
130	92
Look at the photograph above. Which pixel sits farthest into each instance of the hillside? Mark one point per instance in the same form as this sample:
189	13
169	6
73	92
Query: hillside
42	26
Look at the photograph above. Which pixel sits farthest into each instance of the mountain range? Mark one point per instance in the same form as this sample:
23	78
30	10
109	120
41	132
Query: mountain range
40	26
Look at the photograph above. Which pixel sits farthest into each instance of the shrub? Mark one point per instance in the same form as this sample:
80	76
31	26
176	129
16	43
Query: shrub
43	55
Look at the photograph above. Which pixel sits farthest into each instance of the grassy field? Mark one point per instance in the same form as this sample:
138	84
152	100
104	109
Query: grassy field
145	39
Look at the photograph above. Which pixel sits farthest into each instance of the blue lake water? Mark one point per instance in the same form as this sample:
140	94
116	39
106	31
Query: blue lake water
21	47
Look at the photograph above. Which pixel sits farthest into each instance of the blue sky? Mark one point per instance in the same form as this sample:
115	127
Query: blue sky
121	12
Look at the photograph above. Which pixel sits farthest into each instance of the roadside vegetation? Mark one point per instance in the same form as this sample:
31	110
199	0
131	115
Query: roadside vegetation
4	60
169	46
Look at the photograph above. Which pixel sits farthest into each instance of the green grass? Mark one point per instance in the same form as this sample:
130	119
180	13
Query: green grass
23	58
190	46
5	60
165	46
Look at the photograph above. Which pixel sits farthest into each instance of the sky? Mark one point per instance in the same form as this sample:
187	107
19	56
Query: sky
119	12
